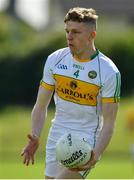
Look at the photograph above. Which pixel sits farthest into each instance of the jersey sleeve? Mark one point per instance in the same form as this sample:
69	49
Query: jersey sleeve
111	89
47	79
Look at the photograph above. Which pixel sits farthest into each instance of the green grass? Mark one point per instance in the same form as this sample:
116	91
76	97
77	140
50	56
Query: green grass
19	171
15	123
112	170
104	170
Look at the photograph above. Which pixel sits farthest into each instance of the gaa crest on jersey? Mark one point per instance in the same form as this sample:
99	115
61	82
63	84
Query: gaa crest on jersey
62	66
92	74
73	85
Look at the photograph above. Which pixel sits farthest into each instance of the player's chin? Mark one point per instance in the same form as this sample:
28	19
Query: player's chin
72	50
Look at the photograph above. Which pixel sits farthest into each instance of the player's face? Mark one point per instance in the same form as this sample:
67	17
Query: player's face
78	37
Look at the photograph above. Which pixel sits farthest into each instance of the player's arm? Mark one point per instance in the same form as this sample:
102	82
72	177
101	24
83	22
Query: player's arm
110	98
109	112
38	116
39	111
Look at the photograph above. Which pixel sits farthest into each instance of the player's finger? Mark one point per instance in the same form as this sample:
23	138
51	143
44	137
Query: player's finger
92	156
26	158
32	159
24	161
23	152
86	167
27	161
82	168
90	164
74	169
30	137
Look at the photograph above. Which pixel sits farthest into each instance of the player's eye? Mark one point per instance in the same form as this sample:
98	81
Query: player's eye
66	31
76	32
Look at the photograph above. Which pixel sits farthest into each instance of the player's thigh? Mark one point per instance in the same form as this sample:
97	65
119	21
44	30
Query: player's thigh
67	174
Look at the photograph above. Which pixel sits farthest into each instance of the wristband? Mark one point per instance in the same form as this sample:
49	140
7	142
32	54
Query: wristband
35	136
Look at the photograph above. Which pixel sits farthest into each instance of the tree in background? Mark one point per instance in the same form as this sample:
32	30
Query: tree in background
11	9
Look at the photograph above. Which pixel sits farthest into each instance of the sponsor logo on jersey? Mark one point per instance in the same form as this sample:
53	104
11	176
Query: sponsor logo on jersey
76	91
62	66
77	66
73	85
75	95
92	74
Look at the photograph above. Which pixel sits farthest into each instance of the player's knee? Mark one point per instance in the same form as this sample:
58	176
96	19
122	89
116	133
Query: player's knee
67	174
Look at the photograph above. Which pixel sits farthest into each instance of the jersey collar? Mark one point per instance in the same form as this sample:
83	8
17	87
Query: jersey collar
91	57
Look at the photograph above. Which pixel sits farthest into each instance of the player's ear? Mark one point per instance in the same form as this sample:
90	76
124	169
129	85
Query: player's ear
92	35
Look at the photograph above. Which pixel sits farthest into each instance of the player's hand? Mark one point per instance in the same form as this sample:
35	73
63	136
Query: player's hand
89	165
29	151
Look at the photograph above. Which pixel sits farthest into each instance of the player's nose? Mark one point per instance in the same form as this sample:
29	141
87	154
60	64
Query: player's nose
70	36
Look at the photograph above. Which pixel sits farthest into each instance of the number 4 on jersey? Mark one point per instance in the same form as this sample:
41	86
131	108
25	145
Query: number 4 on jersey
76	74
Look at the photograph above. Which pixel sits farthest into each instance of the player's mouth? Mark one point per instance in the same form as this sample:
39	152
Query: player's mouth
70	45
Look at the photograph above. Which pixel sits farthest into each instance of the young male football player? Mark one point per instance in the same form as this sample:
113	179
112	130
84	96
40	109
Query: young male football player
86	84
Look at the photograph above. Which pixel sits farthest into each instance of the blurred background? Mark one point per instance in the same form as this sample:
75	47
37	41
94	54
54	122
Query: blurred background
29	31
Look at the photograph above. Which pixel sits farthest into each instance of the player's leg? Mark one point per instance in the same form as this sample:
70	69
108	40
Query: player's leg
56	171
67	174
48	177
52	169
51	166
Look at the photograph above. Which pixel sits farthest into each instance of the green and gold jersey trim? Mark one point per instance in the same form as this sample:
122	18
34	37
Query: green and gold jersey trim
110	99
91	58
47	86
116	97
95	54
118	87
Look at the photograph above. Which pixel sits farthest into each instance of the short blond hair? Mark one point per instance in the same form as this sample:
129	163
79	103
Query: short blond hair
85	15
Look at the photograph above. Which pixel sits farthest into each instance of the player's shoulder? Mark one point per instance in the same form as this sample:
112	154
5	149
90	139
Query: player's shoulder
107	64
59	54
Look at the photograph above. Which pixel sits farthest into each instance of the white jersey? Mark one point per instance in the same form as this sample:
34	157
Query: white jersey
80	88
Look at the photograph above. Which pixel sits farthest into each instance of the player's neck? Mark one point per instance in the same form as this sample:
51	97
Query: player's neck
86	55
